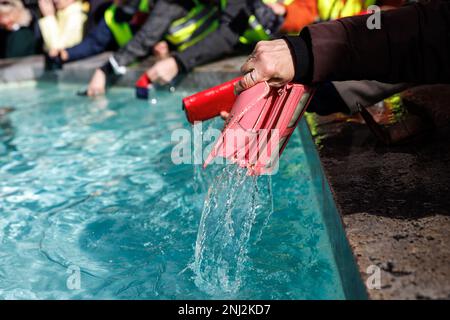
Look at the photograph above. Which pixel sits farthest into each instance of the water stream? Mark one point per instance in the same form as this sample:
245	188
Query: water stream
233	203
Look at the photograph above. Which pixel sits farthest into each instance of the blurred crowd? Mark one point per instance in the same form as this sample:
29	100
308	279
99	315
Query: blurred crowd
326	43
180	34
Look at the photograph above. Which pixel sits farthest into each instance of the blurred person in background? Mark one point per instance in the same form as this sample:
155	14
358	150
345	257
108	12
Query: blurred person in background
418	54
296	13
349	97
19	31
243	23
62	23
238	25
300	13
96	12
331	97
119	22
180	23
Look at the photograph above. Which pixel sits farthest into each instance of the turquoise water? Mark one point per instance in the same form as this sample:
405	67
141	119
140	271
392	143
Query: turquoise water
89	185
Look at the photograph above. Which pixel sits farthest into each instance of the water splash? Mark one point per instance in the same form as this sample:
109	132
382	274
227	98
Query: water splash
230	211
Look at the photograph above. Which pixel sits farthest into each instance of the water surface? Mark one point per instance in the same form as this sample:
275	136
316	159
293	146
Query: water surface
89	184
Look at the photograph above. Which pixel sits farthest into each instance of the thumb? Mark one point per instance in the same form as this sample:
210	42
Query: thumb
248	80
152	74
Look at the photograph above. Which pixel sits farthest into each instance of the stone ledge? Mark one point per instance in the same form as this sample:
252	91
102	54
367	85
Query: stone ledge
32	68
395	206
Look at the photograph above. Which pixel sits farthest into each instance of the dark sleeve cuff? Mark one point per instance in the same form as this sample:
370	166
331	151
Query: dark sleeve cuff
302	54
111	77
107	69
182	67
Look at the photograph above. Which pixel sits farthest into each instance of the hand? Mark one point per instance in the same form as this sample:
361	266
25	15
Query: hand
161	50
97	85
53	53
163	71
47	8
271	61
64	55
277	8
224	115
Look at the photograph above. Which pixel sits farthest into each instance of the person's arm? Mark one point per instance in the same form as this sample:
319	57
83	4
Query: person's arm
233	21
48	24
412	45
97	41
50	32
71	25
157	24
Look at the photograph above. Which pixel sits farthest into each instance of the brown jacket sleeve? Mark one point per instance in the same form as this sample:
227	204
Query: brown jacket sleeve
412	45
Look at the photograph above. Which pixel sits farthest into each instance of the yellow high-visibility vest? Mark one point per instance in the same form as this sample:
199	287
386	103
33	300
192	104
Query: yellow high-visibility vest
256	31
121	30
335	9
194	27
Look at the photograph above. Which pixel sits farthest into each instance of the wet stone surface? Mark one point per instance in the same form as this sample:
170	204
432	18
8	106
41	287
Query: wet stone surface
395	205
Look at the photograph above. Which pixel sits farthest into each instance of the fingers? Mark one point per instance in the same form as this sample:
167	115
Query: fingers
64	55
249	65
156	78
161	81
277	8
248	80
53	53
95	91
271	61
152	74
163	71
97	85
254	57
254	69
91	92
224	115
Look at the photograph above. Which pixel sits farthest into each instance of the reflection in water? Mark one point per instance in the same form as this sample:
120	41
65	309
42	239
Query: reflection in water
6	130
